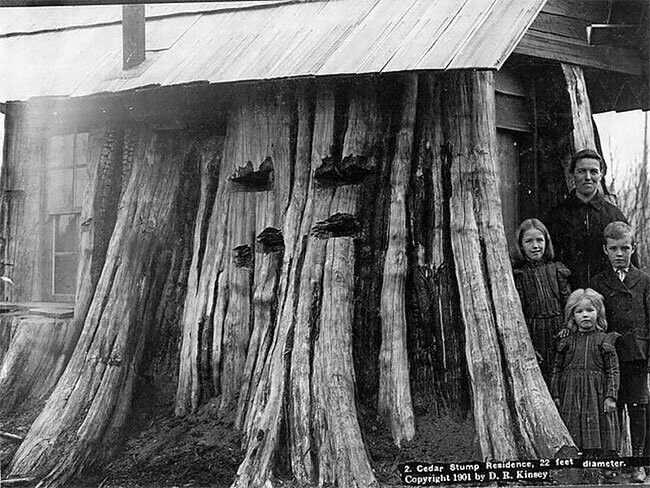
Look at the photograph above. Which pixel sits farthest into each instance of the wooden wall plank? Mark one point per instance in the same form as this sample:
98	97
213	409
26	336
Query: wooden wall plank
574	28
513	113
552	46
593	11
25	155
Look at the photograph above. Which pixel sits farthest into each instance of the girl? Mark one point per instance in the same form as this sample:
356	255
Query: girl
543	289
585	377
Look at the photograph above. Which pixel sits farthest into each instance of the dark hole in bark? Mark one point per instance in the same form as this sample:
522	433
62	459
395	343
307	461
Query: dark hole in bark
270	240
351	170
337	225
243	256
246	179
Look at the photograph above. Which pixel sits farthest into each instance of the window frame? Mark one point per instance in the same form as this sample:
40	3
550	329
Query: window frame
51	215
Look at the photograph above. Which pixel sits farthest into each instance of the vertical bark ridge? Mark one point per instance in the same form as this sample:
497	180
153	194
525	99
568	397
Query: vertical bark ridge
394	381
249	139
494	423
263	422
161	359
438	372
273	123
373	213
305	281
296	232
342	458
203	279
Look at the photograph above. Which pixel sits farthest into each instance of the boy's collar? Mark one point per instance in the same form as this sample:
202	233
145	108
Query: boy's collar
631	277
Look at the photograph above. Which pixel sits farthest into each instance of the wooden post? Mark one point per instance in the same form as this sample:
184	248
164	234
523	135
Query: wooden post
583	128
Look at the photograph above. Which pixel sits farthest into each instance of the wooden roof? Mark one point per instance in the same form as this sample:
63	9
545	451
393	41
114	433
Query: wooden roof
80	54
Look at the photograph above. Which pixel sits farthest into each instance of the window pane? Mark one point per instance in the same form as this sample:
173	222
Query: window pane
80	182
66	233
81	149
65	274
61	151
59	190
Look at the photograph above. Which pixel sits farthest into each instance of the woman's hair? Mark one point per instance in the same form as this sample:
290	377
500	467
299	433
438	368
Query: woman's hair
586	154
595	298
528	224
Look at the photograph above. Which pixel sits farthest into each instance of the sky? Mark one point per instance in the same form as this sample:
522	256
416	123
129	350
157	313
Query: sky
621	137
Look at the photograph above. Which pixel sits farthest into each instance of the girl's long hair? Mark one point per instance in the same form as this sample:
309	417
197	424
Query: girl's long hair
528	224
595	298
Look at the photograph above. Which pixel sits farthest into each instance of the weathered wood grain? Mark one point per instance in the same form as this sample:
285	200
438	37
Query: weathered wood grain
299	288
394	400
205	274
583	129
471	140
272	128
490	304
341	455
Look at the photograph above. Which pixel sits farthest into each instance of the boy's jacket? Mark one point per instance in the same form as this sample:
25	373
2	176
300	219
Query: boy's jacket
627	306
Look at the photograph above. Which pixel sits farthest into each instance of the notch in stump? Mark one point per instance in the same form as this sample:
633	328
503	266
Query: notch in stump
270	240
245	178
351	170
337	225
243	256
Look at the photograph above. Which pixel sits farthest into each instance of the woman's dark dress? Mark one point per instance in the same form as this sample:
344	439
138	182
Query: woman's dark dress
543	289
585	372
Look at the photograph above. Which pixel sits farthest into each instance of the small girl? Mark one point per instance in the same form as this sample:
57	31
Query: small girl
543	289
585	376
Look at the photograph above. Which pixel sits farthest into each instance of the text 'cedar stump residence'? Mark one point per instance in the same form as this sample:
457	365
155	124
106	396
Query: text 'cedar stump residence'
299	209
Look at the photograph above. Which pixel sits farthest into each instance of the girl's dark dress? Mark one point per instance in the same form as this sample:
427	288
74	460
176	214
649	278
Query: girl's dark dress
585	372
543	289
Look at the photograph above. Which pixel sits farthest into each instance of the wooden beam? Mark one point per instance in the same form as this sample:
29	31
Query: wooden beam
548	45
583	125
612	35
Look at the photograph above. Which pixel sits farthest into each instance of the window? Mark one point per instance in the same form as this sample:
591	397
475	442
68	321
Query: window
66	180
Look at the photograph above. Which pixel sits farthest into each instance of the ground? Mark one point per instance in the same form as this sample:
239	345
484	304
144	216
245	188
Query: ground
204	451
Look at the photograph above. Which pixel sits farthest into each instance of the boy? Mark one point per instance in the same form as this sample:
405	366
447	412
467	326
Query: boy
626	291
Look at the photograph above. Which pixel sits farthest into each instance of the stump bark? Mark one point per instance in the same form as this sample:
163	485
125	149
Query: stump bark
83	418
307	382
273	340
